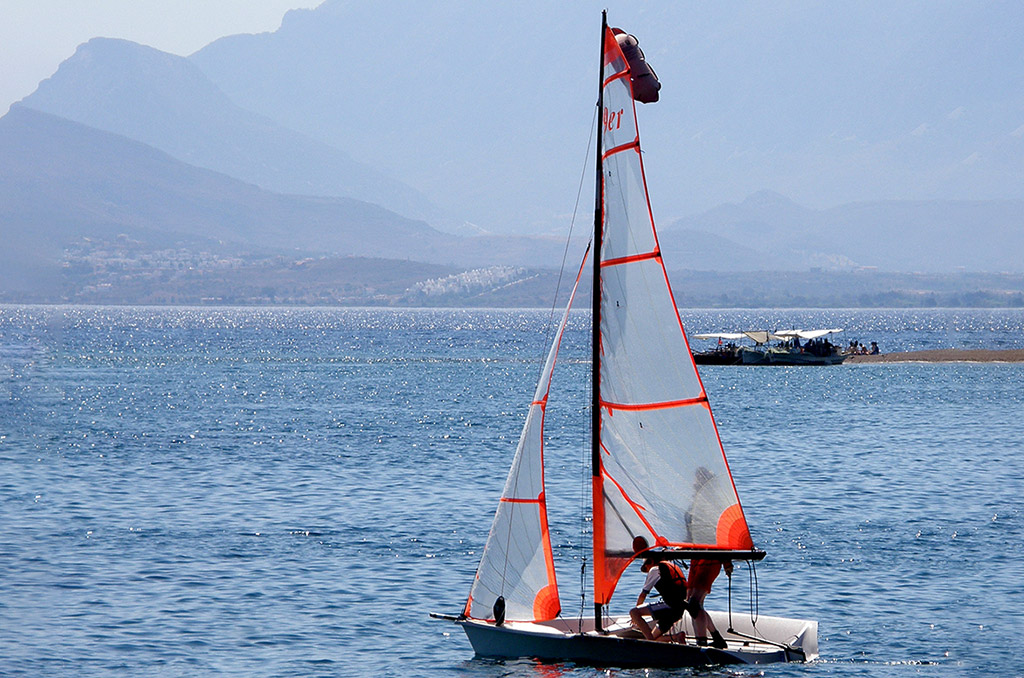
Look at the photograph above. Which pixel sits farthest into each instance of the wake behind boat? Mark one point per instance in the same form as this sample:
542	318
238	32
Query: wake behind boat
661	488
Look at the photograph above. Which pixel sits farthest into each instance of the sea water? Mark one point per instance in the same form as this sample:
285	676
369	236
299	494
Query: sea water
290	492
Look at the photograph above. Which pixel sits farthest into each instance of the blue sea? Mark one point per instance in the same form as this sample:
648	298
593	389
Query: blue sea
290	492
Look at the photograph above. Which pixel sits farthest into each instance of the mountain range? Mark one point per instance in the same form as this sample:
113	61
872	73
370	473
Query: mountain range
454	134
166	102
486	107
64	183
767	231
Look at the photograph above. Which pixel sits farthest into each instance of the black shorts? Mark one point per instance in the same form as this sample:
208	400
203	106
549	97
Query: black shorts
666	615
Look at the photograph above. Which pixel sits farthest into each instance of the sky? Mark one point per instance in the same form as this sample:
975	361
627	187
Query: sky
37	35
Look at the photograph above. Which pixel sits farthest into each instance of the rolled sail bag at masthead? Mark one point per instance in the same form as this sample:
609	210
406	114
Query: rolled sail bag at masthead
643	78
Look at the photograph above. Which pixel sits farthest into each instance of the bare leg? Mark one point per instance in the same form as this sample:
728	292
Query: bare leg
636	616
701	619
674	637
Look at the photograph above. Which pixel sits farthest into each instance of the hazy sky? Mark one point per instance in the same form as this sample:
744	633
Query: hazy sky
36	35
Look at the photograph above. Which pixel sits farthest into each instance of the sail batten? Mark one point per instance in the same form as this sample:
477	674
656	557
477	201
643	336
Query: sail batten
631	259
700	400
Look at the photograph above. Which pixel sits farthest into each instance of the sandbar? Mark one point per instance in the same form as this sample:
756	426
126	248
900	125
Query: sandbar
943	355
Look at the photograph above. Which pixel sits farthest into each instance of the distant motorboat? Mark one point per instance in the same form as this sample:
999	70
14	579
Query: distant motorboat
816	348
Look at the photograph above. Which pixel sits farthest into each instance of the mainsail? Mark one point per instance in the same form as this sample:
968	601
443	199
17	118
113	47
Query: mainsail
517	565
662	473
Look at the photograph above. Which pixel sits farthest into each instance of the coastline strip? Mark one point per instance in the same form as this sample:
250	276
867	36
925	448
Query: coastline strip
943	355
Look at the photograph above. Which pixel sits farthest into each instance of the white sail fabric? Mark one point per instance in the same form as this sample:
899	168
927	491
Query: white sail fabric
663	473
517	563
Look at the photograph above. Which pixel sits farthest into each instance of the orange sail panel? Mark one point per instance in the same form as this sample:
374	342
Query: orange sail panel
518	563
663	472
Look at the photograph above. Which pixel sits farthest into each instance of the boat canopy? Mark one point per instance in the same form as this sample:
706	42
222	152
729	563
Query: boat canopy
763	337
732	336
806	334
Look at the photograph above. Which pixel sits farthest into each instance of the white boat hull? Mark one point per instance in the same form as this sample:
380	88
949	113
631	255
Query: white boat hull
780	640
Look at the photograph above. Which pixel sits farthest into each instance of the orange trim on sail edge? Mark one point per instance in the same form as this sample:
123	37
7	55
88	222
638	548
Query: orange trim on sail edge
604	588
634	505
546	604
599	542
612	49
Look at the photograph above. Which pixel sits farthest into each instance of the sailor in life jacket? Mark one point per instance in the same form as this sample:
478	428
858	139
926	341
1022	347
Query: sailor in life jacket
702	574
669	580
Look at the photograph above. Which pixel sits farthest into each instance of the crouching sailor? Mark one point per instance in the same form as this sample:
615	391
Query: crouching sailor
670	581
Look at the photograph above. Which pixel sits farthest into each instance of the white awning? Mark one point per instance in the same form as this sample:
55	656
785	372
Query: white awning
732	336
763	337
806	334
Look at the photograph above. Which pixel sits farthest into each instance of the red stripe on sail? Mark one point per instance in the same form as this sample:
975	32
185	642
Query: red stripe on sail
617	76
643	407
632	258
517	500
635	144
636	507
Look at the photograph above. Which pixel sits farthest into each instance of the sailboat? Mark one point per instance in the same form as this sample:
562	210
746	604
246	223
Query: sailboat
658	470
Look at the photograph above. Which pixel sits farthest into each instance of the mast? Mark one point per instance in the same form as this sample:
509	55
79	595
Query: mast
595	375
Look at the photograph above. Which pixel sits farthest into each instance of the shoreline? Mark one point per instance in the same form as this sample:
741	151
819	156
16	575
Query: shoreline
943	355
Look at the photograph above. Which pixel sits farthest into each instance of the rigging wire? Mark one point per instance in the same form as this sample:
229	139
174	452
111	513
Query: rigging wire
585	442
753	596
572	224
755	611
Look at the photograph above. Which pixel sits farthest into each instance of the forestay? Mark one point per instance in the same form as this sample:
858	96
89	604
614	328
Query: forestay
663	474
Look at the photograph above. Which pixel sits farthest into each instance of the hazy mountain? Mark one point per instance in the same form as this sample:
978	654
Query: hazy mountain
487	107
62	182
165	101
929	236
699	250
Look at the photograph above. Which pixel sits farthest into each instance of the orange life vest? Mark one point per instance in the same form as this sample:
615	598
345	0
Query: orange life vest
671	584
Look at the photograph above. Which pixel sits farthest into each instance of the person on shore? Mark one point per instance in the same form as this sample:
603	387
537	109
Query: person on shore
702	575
